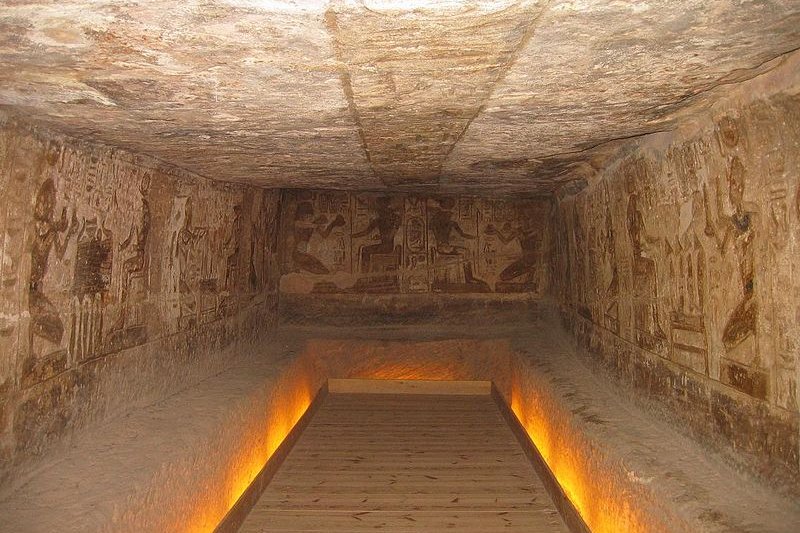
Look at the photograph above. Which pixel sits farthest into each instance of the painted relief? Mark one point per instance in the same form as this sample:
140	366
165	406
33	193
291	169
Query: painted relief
415	265
514	244
263	267
110	264
373	243
452	249
189	270
645	246
313	224
734	230
15	223
690	252
686	264
129	328
378	253
51	235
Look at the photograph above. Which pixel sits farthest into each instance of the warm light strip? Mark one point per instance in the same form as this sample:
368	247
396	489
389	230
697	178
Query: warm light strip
604	500
600	501
291	403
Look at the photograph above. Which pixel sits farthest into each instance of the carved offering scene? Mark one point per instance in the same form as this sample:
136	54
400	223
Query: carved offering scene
400	244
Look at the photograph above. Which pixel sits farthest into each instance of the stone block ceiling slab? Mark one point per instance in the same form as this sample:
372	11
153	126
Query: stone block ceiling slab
236	91
417	78
500	96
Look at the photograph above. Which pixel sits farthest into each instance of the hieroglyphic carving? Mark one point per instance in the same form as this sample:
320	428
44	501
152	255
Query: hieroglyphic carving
735	234
645	248
561	271
686	260
51	233
15	207
101	252
263	270
451	250
91	281
707	275
129	329
46	322
608	265
410	243
781	319
185	263
581	264
415	269
525	231
685	271
381	258
233	250
306	225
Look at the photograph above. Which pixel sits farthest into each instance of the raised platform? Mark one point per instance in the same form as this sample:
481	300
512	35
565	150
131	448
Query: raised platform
405	462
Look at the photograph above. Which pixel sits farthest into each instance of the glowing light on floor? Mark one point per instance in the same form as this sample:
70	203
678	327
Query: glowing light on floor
292	399
604	506
606	503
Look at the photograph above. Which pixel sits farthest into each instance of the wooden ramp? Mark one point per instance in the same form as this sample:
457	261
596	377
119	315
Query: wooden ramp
405	462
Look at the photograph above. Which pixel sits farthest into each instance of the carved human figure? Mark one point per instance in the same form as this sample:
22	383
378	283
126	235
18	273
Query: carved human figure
45	320
305	225
607	265
136	242
386	221
443	227
563	256
645	274
579	236
738	231
184	243
529	239
233	247
797	203
258	252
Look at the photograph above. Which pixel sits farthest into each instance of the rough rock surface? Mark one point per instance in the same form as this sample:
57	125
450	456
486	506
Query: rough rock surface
121	279
678	268
494	95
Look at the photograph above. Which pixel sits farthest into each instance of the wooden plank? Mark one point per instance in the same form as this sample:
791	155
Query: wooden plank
408	386
428	500
443	467
396	521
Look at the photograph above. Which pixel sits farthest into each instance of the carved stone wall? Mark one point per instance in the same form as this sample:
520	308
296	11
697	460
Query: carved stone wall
340	242
108	254
679	267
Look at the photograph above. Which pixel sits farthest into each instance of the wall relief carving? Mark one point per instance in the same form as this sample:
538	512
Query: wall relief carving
378	243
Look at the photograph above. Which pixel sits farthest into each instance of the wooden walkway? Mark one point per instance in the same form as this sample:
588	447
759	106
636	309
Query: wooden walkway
399	462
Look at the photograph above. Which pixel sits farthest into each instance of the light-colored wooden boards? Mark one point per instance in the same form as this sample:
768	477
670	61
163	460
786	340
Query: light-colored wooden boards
408	386
401	463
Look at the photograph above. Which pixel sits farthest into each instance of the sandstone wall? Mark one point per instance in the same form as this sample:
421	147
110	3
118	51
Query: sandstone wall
358	243
121	281
679	267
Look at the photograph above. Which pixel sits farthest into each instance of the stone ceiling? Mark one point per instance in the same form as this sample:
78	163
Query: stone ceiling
498	96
